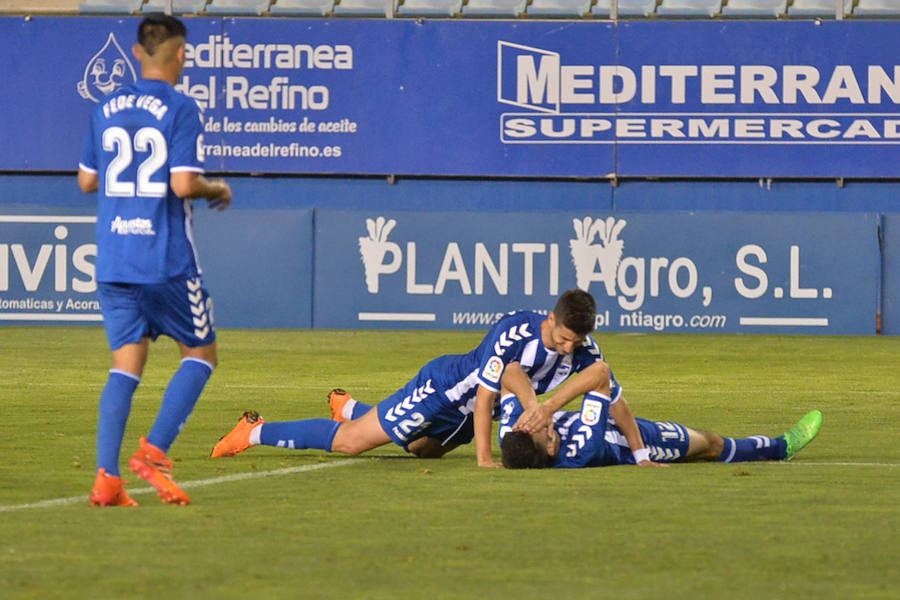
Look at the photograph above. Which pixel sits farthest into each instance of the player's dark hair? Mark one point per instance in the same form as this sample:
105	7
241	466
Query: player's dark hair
158	29
520	452
577	310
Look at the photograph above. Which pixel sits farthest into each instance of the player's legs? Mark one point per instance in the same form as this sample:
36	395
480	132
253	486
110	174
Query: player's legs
126	331
359	435
710	446
350	437
346	408
429	447
131	358
180	308
703	445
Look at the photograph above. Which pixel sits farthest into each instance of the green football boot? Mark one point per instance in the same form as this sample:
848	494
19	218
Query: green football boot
805	431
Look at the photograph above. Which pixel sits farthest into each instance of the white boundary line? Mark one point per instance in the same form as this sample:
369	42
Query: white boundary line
837	464
350	461
190	484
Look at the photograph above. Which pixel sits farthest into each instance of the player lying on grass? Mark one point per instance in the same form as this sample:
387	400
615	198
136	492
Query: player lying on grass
451	399
590	438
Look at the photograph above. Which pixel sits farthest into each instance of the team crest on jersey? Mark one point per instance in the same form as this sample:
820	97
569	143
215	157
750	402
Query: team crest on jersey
591	411
106	72
493	369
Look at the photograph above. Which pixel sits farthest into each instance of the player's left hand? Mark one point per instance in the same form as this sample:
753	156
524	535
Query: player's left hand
223	199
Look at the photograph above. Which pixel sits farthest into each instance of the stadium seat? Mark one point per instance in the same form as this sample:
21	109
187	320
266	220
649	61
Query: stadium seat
110	6
237	7
756	9
561	9
494	8
27	7
179	7
302	7
689	8
430	8
363	8
627	8
877	8
816	8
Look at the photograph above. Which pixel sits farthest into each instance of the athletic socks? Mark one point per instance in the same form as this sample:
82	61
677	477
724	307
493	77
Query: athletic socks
298	435
115	406
757	447
178	402
354	409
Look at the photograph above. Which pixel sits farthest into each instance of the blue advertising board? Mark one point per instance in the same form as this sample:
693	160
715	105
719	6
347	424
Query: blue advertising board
687	272
890	310
257	265
483	98
391	259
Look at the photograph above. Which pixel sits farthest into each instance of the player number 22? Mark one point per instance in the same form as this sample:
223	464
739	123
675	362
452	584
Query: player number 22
118	140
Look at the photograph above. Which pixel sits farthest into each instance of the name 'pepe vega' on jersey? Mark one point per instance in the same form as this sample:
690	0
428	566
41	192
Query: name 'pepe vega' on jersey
146	131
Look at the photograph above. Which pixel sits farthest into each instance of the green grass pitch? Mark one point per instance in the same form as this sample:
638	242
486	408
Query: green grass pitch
305	524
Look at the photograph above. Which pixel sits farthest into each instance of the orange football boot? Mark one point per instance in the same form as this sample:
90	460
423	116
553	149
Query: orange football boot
337	398
151	464
108	491
238	439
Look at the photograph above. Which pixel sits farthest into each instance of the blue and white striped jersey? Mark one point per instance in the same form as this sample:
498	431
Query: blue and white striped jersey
585	436
516	337
138	136
591	438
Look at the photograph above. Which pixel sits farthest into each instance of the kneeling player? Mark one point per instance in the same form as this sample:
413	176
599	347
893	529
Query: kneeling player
450	401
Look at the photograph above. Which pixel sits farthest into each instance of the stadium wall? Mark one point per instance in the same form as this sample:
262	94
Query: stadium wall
366	253
476	166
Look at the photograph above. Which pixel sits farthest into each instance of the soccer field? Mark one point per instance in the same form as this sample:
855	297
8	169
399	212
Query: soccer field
306	524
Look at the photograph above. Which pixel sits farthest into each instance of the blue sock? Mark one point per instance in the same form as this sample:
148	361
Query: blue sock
115	406
299	435
757	447
178	402
359	409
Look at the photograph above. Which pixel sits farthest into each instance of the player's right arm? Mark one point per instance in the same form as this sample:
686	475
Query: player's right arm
595	377
482	423
88	179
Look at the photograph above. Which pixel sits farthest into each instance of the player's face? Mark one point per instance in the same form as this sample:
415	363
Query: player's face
564	339
548	439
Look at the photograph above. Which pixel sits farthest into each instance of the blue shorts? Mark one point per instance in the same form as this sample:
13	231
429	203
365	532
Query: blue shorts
418	410
179	308
667	442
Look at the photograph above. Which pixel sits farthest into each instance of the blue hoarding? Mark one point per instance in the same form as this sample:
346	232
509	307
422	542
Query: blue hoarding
890	311
256	264
483	98
392	259
720	272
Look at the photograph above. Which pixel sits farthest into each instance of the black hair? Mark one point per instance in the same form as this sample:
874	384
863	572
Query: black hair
520	452
155	30
577	310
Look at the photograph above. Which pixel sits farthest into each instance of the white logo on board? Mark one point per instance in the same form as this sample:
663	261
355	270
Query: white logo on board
107	71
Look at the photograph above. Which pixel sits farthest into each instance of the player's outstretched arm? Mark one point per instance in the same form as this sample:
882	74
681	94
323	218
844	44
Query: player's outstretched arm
621	412
187	184
484	404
